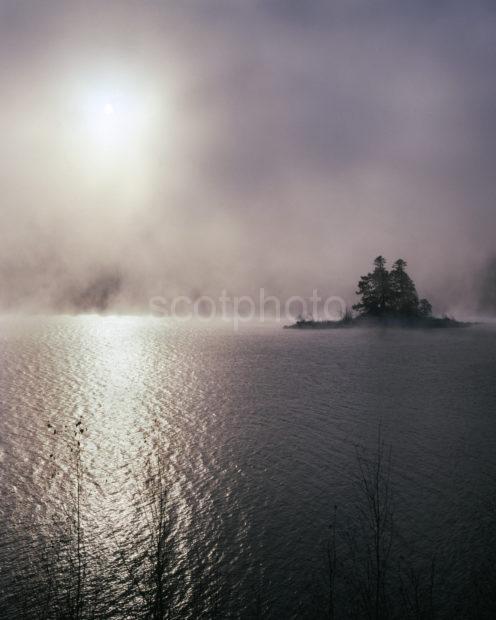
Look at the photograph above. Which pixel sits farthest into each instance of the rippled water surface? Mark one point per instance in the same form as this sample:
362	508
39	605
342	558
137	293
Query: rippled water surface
255	435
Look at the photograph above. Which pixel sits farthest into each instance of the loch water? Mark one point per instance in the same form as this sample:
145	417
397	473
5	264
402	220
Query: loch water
254	437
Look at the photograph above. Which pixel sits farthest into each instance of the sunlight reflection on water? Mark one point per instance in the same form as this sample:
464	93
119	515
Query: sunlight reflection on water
254	434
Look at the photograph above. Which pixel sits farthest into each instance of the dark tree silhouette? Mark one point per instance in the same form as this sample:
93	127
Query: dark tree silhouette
424	308
404	298
374	289
390	293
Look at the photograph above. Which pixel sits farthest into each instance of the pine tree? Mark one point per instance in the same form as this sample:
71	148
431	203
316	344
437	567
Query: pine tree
390	293
374	290
404	297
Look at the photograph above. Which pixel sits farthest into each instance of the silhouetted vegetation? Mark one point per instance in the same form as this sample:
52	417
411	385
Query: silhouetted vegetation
368	574
387	298
372	571
392	293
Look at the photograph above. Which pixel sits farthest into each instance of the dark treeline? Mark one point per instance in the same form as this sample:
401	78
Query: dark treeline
388	297
370	568
390	293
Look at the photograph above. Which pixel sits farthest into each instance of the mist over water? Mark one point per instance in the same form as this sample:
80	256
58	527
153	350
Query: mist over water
156	152
279	144
256	433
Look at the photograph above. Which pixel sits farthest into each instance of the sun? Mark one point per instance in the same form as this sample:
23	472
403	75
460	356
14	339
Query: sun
114	120
108	109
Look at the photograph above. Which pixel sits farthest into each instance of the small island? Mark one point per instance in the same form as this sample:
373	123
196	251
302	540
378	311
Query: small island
388	298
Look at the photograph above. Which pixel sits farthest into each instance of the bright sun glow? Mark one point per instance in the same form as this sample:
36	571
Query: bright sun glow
116	120
113	121
109	109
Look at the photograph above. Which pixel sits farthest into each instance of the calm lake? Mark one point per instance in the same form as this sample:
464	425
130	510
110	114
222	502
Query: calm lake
256	436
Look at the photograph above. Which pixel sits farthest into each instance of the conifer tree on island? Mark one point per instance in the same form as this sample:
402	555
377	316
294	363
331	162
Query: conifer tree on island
392	293
387	297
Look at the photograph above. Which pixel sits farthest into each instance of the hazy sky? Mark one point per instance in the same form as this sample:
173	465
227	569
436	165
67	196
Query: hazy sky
186	147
